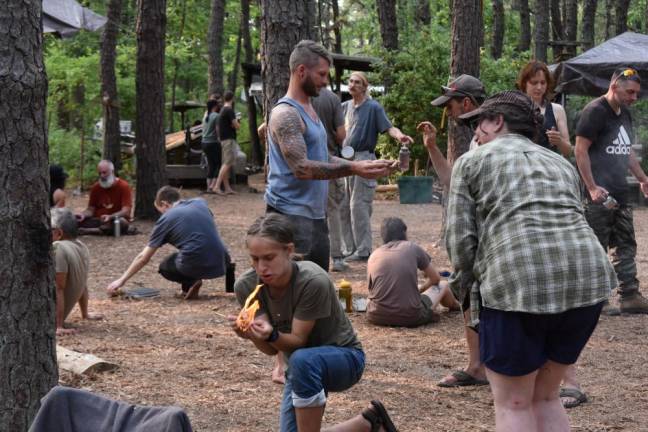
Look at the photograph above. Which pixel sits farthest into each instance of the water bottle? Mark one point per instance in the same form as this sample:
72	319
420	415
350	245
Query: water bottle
404	158
117	229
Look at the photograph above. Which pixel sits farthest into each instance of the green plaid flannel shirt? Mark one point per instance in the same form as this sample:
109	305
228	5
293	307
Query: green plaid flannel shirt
516	232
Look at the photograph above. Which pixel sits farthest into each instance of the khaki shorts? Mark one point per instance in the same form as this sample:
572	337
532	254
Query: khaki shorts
230	151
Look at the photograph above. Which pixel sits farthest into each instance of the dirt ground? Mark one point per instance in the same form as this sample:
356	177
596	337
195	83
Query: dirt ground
173	352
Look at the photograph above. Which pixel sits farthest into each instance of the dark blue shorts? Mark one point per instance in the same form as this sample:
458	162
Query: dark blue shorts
518	343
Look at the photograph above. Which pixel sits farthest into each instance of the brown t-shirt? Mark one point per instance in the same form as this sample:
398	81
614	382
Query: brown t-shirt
111	200
392	279
311	297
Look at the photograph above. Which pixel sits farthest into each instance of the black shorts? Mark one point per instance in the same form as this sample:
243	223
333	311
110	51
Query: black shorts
518	343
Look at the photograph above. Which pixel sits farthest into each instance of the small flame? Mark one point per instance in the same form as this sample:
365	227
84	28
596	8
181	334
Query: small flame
246	316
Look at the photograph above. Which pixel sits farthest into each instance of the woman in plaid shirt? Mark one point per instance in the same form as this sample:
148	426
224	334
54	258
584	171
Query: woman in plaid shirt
516	227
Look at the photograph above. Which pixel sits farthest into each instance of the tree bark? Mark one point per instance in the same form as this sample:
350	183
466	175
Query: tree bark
237	61
422	15
525	27
498	29
283	24
215	47
27	339
336	26
388	24
149	104
621	14
571	26
110	97
557	31
589	19
176	66
245	30
609	19
466	28
541	29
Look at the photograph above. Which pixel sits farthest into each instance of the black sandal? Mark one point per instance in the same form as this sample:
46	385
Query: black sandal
377	416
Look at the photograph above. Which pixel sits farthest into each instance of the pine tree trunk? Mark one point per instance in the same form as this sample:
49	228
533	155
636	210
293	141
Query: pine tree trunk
283	24
609	19
525	27
589	19
388	24
557	32
215	47
541	29
621	14
27	340
336	26
245	30
176	66
149	103
110	98
571	26
466	28
422	13
237	61
498	29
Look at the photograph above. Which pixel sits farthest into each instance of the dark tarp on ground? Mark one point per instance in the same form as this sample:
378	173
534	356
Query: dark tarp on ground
66	409
589	73
67	17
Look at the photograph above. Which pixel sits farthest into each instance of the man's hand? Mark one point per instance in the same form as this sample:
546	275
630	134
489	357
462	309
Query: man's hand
373	169
106	218
429	133
554	137
644	188
80	217
61	331
405	139
114	286
598	194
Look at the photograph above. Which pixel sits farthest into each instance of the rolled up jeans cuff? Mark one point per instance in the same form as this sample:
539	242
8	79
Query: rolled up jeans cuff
316	400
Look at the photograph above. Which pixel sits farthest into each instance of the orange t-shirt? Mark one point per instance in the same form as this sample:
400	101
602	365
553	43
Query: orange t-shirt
111	200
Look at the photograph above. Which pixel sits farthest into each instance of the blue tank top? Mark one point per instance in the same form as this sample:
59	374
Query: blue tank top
287	193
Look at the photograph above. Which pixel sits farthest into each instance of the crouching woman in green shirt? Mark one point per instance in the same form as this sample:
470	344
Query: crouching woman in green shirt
301	317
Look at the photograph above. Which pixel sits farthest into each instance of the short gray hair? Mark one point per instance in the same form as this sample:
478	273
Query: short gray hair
110	165
63	219
308	53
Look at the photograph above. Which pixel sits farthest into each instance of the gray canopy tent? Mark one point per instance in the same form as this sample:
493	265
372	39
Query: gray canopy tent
589	73
65	18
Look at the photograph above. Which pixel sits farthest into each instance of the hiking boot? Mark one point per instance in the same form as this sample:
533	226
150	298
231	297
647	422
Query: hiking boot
356	258
635	304
339	265
610	310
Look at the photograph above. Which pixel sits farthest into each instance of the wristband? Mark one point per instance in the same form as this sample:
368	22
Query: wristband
274	335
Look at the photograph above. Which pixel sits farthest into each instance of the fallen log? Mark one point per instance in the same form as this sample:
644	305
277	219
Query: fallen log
80	363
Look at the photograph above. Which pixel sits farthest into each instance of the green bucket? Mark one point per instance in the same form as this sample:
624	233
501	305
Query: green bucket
415	190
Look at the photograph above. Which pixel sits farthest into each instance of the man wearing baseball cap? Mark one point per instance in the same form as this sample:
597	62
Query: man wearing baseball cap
462	95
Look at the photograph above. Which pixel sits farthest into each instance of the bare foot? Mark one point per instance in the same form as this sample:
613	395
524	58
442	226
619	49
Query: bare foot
231	192
278	375
93	317
60	331
217	191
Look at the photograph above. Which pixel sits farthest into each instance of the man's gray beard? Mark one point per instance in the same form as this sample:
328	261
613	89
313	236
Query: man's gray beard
107	183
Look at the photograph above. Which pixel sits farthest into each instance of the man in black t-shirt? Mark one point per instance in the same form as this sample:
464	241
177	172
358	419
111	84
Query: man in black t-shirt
604	138
228	123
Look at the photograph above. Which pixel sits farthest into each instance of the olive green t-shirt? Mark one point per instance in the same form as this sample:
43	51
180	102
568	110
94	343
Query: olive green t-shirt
311	297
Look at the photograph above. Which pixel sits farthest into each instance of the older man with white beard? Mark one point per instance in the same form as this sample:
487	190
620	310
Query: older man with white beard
111	198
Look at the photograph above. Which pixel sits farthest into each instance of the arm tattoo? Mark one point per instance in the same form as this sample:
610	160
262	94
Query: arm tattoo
286	128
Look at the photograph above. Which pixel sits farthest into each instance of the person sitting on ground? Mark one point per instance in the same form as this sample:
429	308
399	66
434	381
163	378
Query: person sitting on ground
72	260
110	198
516	224
228	123
189	226
394	299
57	186
301	318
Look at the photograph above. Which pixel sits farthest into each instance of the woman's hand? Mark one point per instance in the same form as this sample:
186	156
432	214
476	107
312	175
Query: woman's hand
260	330
554	137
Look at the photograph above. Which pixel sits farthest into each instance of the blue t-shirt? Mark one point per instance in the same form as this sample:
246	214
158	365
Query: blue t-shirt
287	193
363	124
189	226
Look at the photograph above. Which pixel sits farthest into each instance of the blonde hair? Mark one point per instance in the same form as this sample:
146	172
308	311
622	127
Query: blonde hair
362	77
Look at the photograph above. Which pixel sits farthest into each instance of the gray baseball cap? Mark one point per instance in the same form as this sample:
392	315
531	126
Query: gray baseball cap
462	86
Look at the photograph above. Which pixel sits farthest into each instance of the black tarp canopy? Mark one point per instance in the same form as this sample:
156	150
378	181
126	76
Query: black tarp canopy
589	73
66	17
